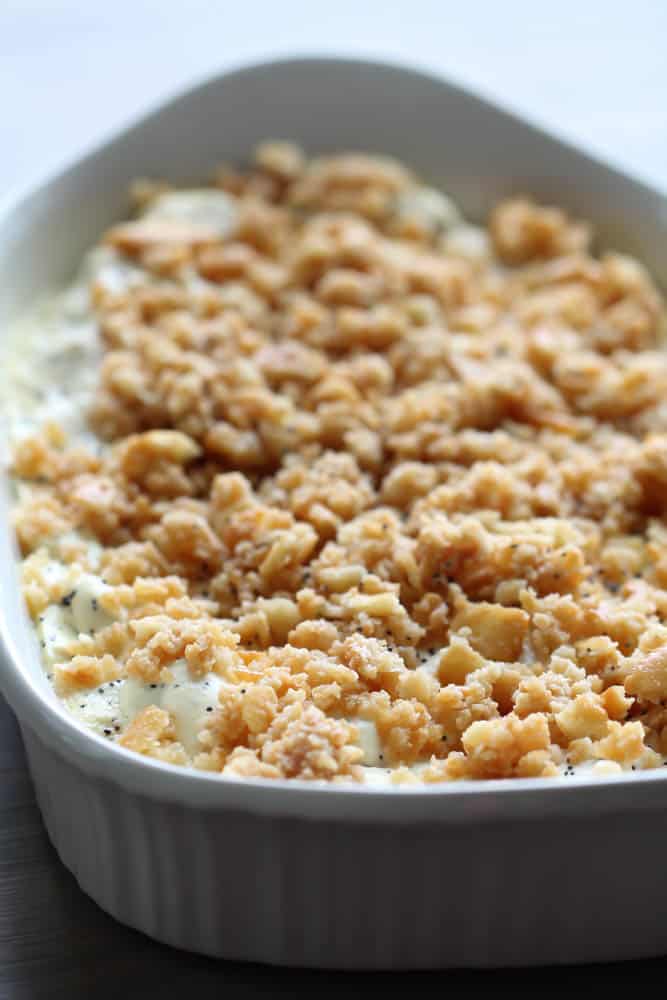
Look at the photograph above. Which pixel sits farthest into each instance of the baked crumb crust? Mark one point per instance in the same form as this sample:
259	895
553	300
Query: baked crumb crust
353	431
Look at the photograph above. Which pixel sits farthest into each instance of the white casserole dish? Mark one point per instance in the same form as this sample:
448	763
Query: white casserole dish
484	874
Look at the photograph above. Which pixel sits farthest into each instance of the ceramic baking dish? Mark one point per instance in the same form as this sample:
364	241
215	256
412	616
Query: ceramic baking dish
483	874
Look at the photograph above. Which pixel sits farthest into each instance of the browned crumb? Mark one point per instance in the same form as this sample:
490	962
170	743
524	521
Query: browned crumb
85	672
151	733
134	236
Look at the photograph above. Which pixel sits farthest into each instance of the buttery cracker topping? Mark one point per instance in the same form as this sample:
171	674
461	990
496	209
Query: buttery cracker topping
372	487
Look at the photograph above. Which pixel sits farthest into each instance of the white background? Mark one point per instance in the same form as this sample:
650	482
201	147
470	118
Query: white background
593	70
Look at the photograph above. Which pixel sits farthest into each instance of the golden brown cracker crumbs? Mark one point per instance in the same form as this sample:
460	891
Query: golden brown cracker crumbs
645	675
85	672
369	462
302	742
586	715
496	748
161	640
38	520
495	632
624	744
151	733
132	237
115	639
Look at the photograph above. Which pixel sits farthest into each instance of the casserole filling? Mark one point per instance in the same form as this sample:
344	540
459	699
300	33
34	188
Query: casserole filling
314	479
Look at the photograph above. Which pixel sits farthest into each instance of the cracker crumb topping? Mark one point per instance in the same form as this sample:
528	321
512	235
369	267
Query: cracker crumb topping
366	465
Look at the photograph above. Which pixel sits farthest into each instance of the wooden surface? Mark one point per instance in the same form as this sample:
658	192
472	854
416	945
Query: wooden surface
58	945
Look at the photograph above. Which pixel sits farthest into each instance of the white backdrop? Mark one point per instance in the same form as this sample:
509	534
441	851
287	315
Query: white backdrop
593	70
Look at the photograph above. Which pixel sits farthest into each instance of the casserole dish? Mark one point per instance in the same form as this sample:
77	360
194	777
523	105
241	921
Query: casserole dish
469	875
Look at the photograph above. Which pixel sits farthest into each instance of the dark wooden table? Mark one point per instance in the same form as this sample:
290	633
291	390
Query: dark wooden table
55	943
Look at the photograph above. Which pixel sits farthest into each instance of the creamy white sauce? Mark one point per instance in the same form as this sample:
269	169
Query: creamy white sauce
189	700
377	776
85	608
469	242
78	613
98	708
53	358
54	634
215	209
369	741
432	209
